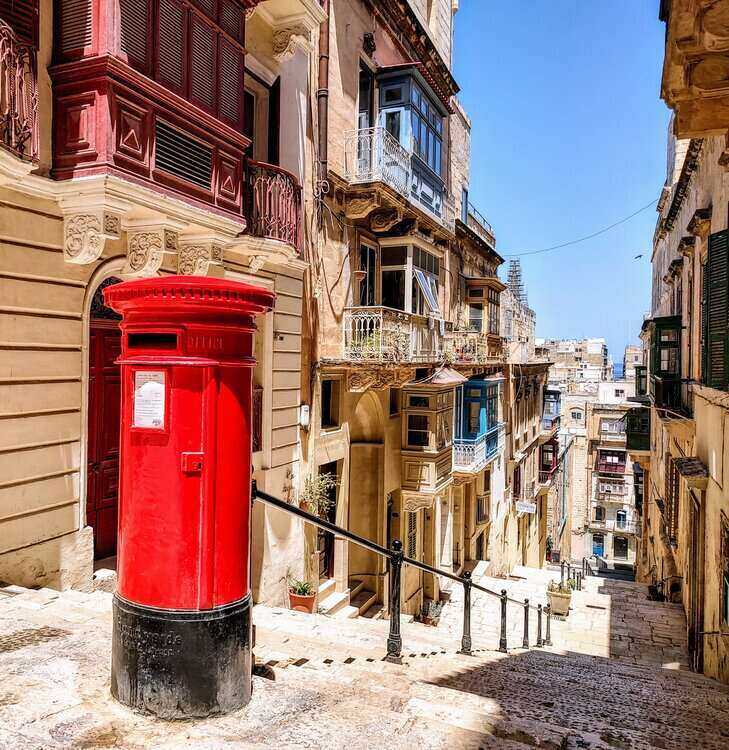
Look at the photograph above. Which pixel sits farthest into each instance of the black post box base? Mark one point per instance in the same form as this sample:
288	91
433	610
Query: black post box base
180	664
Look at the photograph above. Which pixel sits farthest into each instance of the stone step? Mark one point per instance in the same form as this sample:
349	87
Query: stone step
362	600
331	604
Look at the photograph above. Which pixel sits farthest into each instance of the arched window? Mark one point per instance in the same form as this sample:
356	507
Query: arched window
99	311
621	519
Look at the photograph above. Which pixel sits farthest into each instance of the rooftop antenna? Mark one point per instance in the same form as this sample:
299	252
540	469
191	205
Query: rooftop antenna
515	283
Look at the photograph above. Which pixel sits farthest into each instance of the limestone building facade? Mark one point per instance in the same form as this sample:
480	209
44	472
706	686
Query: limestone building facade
94	191
683	406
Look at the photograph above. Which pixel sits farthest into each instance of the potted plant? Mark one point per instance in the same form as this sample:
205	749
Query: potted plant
316	497
301	595
430	614
560	596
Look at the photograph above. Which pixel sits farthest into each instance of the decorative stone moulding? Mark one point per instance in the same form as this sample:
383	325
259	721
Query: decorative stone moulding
146	248
287	39
413	502
200	258
85	234
362	379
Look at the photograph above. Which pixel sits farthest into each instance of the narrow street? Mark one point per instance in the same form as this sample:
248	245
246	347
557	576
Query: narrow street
614	678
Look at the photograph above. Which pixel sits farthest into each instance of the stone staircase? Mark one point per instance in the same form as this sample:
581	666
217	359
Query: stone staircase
331	687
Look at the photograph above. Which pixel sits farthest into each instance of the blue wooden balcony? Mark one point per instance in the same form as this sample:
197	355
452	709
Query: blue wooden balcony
471	455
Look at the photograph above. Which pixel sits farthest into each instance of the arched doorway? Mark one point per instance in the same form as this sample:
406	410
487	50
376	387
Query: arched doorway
102	447
367	506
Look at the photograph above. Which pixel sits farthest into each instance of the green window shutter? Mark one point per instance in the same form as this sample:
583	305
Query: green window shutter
704	318
717	311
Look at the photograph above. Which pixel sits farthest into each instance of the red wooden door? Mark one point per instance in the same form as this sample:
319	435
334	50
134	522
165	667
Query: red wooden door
103	438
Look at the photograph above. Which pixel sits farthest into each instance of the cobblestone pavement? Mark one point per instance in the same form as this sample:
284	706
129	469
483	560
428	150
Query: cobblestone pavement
608	618
332	690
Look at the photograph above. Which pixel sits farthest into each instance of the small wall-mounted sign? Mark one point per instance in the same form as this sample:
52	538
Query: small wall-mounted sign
149	400
523	506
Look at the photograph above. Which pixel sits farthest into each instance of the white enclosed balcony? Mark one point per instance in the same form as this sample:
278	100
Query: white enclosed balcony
385	335
471	455
374	155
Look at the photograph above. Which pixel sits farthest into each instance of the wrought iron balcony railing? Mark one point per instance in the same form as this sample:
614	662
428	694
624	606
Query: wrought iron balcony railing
472	454
18	96
476	221
473	347
626	527
274	201
373	155
382	334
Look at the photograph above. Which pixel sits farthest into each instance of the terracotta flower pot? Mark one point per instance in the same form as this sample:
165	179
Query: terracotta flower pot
302	602
559	603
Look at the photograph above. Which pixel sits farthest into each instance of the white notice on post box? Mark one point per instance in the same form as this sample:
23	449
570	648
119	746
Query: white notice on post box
149	399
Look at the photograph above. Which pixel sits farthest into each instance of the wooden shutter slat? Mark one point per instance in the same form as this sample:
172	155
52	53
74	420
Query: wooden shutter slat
231	18
171	44
717	311
231	84
202	64
76	25
133	30
22	17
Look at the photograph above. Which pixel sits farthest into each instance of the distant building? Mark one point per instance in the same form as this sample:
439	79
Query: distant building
633	356
518	320
577	363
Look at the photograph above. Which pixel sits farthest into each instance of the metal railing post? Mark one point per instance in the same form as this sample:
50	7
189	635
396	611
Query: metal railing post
466	639
540	642
548	639
525	642
502	639
394	639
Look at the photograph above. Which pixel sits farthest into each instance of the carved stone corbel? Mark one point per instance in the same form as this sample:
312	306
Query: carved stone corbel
287	38
146	248
361	205
85	234
256	263
700	224
686	246
359	380
200	258
384	220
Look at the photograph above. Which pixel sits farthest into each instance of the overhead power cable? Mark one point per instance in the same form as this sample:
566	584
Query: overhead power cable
585	238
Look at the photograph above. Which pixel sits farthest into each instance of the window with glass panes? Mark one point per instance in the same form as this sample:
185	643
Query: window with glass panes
494	318
426	270
427	128
368	265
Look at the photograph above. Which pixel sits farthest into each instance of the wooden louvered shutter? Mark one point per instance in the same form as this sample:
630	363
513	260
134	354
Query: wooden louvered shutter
22	17
717	311
134	23
76	25
231	18
704	318
171	45
230	98
202	64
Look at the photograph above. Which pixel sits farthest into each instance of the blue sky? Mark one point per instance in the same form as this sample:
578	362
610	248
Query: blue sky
569	135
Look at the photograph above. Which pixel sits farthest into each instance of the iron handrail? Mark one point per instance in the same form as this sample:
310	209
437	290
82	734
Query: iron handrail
397	559
333	528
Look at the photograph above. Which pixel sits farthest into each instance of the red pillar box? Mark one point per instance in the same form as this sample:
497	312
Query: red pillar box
182	611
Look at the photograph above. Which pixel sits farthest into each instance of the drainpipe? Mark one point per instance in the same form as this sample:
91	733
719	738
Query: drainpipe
322	94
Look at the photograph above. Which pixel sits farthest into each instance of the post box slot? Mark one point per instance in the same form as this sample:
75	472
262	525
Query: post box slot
152	341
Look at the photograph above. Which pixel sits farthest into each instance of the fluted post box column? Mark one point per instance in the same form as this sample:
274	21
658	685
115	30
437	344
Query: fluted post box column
182	610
